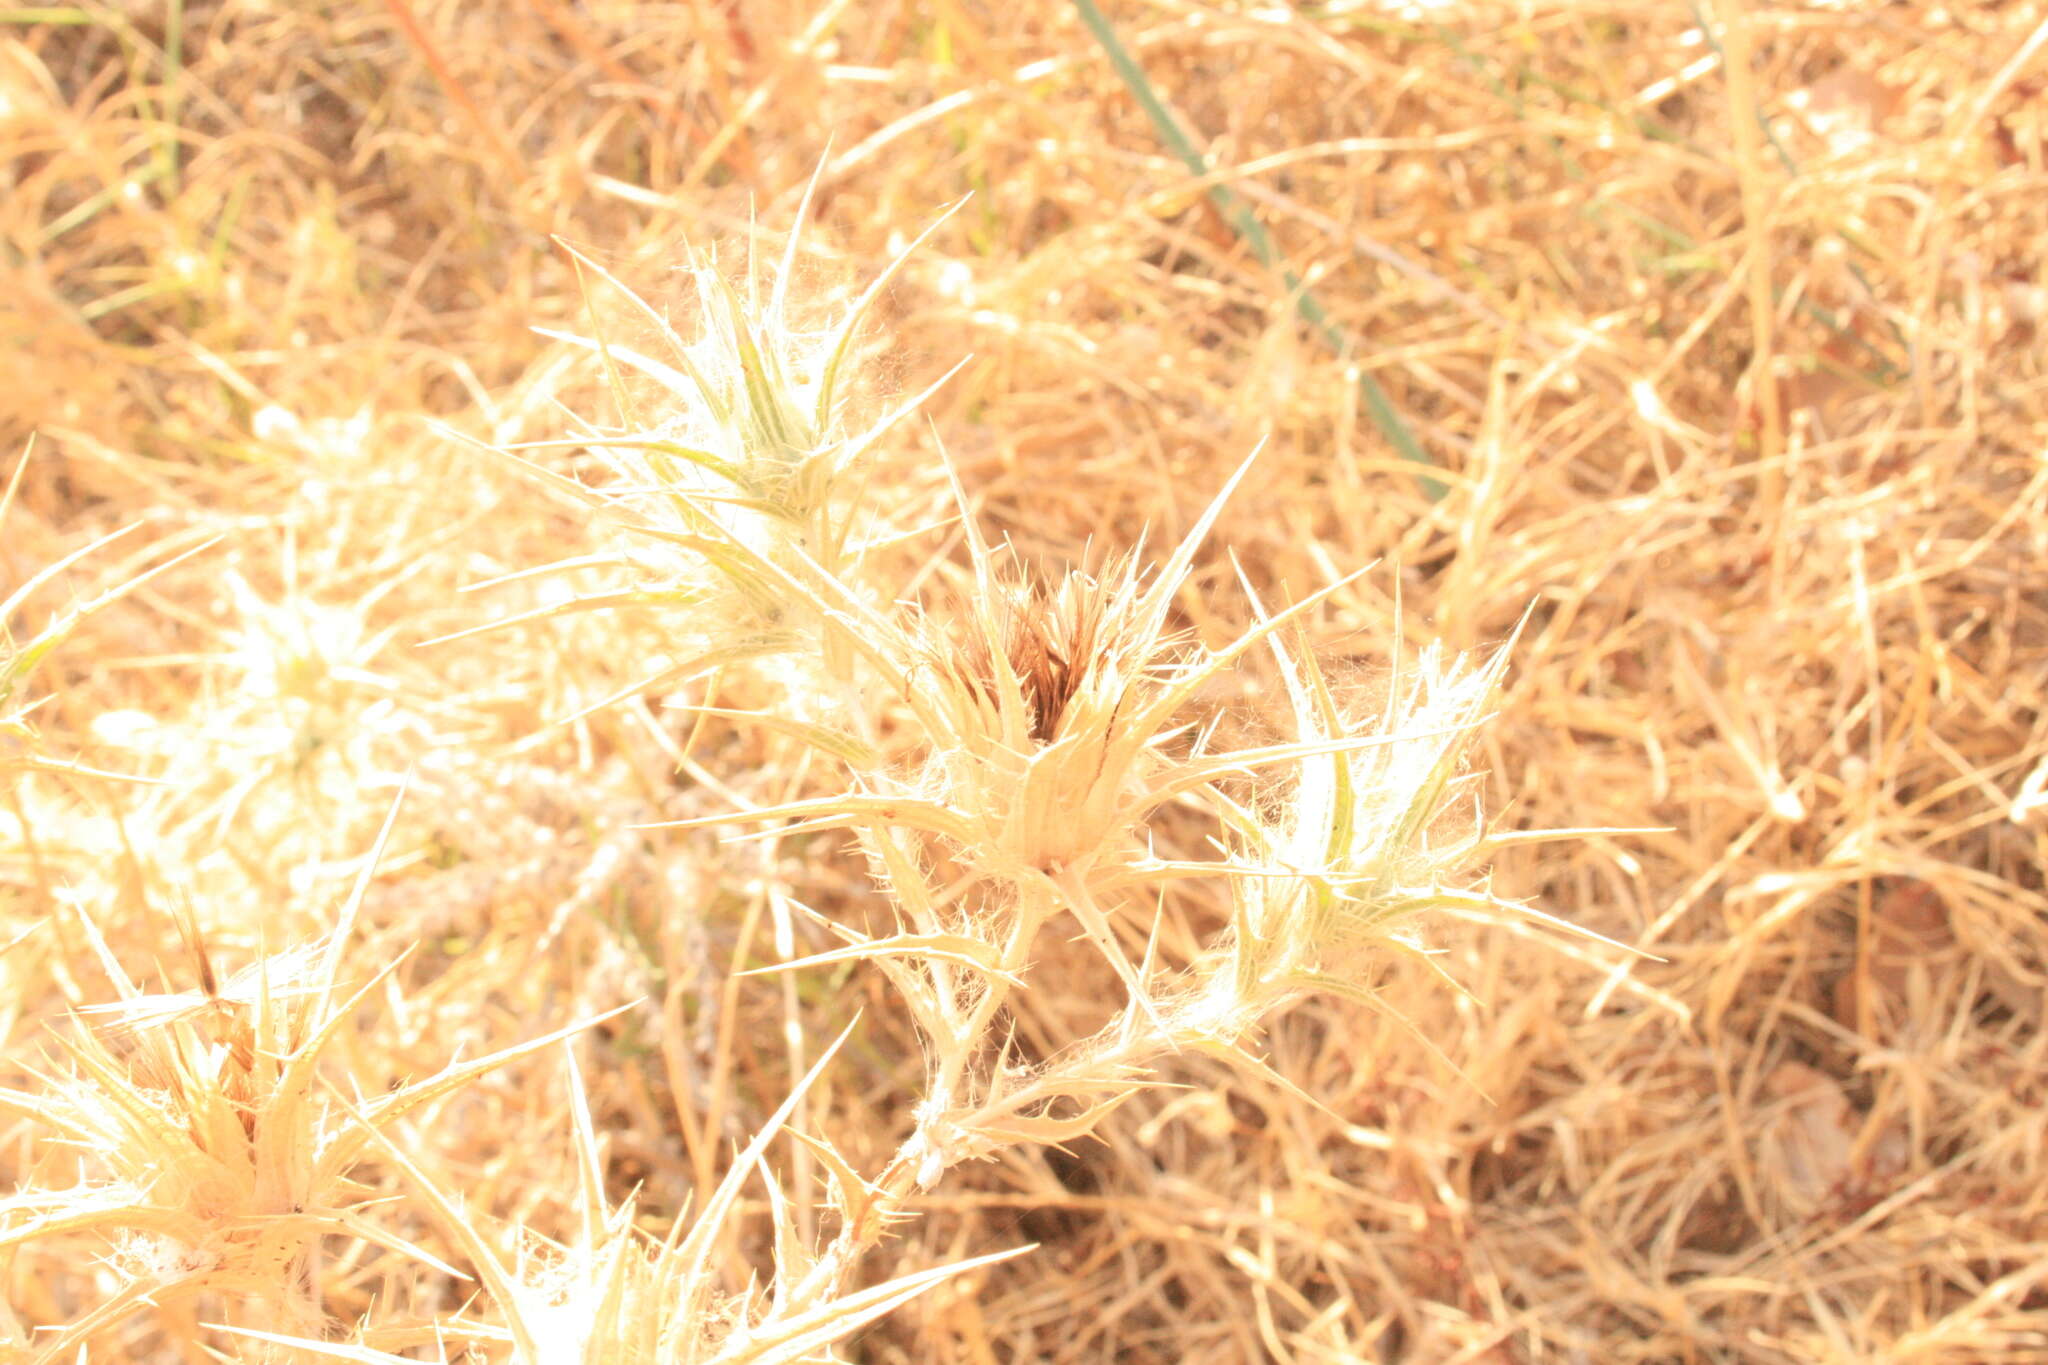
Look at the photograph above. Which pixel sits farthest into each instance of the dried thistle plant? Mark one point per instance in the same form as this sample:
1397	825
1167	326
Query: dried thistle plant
1042	810
216	1157
617	1296
749	475
1007	753
1815	645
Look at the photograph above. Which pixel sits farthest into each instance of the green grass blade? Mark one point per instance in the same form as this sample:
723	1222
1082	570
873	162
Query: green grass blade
1248	227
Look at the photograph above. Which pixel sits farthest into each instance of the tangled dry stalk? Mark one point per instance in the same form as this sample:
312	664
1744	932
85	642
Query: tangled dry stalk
512	648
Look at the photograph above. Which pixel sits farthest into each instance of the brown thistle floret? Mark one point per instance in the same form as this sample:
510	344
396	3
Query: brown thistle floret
1054	643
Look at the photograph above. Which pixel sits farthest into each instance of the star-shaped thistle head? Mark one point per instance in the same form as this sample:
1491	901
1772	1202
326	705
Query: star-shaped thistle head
216	1154
612	1295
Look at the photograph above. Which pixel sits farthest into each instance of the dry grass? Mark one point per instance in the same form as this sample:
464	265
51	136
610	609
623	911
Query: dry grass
1736	390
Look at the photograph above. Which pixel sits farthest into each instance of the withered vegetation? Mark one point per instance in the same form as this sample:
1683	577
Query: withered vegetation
652	705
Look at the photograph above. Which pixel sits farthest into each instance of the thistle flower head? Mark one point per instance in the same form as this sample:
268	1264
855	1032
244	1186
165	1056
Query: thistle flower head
750	440
1051	720
737	488
197	1112
206	1129
614	1296
1048	719
1357	843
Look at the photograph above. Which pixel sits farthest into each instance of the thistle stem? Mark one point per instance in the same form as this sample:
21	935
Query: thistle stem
906	1169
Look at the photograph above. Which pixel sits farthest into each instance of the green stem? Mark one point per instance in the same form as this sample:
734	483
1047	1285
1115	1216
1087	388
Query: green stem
1248	227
